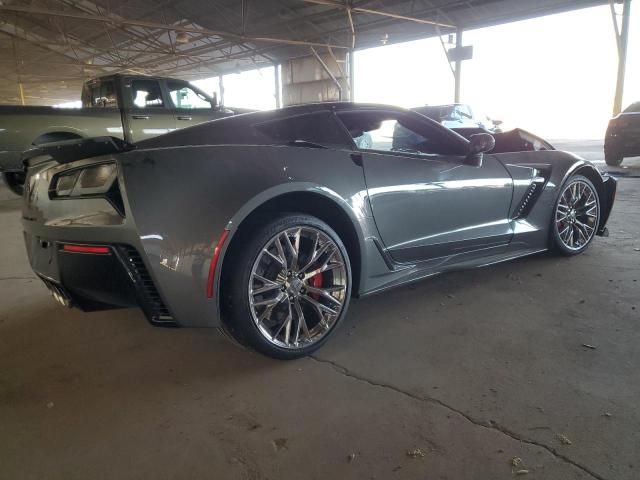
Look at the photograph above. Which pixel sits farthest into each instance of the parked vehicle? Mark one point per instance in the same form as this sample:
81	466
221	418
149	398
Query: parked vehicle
264	224
516	140
623	136
133	108
459	115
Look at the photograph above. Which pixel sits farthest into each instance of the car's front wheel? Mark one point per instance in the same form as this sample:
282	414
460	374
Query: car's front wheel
576	216
290	286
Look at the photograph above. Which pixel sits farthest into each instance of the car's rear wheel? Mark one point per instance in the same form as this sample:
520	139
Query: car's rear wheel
290	287
613	159
576	216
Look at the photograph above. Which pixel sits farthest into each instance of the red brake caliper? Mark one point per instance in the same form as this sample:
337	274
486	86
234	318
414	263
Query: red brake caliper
316	281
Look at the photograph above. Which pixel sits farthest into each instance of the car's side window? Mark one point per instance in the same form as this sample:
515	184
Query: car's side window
184	97
146	94
397	132
319	129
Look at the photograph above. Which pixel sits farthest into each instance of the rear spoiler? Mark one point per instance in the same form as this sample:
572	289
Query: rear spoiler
70	150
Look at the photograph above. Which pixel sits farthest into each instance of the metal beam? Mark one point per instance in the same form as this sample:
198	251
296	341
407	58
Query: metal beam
276	71
329	72
623	39
352	76
396	16
353	29
160	26
457	73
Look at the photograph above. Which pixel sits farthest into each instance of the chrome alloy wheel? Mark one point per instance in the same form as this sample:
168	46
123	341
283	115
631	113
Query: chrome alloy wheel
297	287
577	215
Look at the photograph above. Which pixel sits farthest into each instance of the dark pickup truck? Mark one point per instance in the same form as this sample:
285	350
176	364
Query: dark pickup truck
133	108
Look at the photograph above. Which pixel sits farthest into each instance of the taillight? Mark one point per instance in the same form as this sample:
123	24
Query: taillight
87	181
214	262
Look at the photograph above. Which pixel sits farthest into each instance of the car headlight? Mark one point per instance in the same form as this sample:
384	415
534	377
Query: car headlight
89	181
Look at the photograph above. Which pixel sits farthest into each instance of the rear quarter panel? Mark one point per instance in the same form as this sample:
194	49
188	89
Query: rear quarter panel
181	199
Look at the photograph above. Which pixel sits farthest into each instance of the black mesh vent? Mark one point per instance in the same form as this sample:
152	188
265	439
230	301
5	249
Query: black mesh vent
150	299
530	197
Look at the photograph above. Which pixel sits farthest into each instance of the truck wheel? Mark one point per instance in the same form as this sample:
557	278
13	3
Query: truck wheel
613	160
15	182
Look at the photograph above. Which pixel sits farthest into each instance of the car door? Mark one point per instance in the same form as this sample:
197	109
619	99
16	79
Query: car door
147	115
426	201
190	106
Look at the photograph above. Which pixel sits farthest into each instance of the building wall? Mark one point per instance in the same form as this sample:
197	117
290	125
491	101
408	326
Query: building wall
304	80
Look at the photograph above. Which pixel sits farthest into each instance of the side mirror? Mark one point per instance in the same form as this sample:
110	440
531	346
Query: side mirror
479	144
496	122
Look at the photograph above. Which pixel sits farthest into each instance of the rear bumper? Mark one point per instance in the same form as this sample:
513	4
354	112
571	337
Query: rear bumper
625	145
154	268
97	281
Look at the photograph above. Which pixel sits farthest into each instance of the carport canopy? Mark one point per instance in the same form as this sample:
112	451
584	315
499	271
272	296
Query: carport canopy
49	47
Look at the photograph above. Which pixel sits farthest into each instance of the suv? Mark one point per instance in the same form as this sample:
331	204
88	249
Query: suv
623	136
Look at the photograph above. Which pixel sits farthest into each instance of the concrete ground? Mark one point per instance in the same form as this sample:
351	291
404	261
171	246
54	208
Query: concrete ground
527	369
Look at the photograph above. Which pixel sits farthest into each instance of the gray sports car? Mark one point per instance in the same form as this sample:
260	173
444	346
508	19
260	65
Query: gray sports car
268	223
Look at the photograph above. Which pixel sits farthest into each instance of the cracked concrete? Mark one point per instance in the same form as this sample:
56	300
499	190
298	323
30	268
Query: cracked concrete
473	369
491	424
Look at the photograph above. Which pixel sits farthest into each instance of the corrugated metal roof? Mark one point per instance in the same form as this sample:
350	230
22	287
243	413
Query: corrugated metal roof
52	46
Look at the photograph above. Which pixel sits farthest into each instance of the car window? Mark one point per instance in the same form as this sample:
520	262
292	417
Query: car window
185	97
464	112
318	128
102	94
449	112
146	94
397	132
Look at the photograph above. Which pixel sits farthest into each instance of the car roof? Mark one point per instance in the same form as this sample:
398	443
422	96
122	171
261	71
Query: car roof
240	129
332	107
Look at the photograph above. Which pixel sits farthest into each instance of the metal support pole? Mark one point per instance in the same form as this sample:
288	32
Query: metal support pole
21	93
352	76
276	70
458	70
622	56
221	85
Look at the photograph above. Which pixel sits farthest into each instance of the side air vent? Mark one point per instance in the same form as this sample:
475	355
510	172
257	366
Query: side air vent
149	297
529	199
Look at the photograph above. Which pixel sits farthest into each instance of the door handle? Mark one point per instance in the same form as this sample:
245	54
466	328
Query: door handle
184	117
141	117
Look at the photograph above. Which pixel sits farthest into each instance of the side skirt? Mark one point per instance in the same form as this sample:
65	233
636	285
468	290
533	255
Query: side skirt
419	272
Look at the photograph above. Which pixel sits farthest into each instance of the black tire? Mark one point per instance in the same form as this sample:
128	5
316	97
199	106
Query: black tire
558	243
15	182
613	159
241	318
